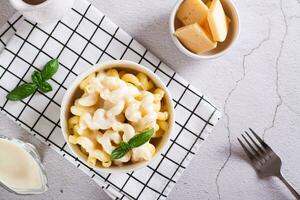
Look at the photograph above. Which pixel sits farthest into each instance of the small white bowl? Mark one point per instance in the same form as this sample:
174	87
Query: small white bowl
72	93
222	47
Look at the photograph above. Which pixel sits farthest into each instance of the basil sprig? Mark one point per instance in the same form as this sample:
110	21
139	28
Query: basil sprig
39	81
134	142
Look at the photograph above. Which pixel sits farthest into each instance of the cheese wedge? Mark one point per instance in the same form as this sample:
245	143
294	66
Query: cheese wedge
195	38
217	21
206	27
192	11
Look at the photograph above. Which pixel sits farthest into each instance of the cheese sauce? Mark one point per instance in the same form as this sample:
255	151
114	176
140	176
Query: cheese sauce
19	171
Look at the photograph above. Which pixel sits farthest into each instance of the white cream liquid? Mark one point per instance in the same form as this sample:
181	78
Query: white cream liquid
18	169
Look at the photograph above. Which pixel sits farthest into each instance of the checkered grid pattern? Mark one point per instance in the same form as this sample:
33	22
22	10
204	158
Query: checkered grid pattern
9	29
82	38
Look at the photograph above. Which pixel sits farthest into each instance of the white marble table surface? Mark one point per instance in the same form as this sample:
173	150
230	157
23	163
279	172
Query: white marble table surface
256	84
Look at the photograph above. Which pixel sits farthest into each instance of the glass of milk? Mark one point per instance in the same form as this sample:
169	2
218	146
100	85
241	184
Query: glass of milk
21	170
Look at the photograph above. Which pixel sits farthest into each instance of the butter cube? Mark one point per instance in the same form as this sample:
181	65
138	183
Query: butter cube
192	11
217	20
195	38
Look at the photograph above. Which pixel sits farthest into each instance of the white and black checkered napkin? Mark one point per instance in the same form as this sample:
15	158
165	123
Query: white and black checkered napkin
82	38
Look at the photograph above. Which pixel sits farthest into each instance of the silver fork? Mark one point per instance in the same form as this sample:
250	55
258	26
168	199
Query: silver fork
264	159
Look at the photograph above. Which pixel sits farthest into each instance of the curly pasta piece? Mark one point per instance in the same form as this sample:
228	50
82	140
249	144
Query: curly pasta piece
158	94
100	155
97	121
144	152
102	119
81	129
122	93
88	100
86	81
133	112
86	142
127	129
95	86
163	127
145	83
112	83
92	160
130	78
146	121
88	145
73	121
79	110
115	110
148	113
106	164
147	102
107	139
113	72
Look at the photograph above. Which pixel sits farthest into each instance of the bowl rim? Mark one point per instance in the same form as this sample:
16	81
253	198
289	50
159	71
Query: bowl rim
104	66
189	53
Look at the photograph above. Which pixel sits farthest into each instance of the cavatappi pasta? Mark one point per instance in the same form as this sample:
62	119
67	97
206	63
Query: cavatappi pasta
114	107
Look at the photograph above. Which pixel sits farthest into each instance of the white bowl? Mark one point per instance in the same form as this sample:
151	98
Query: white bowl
222	47
73	90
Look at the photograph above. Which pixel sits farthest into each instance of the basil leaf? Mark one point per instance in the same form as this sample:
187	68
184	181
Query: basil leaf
39	81
45	87
37	77
50	69
22	91
120	151
141	138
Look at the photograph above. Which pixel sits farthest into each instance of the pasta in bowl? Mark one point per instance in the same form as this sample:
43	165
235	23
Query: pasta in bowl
117	116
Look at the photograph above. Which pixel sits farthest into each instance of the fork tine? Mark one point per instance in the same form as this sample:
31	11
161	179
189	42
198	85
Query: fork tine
255	143
260	140
251	147
249	154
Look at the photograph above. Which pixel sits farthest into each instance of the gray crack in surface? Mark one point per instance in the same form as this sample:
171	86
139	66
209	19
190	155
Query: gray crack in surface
280	101
228	97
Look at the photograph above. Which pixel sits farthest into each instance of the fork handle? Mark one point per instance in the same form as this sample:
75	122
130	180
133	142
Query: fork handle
293	191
